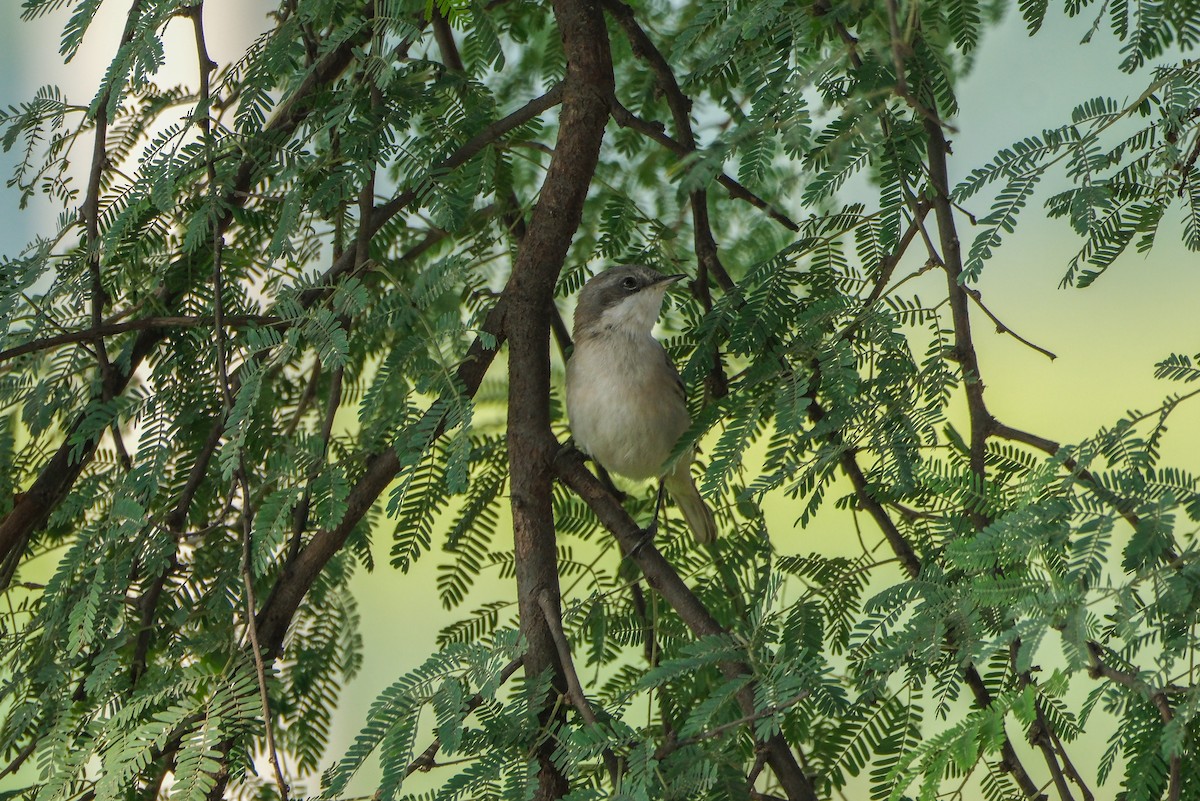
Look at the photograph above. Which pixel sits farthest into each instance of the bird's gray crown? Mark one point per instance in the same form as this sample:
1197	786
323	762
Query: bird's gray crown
613	287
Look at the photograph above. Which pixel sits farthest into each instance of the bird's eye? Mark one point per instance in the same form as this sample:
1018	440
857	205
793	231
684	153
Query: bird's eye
629	282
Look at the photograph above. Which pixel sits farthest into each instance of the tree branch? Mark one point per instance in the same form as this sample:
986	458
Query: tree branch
661	575
627	119
98	333
1001	328
91	209
530	292
472	147
964	346
981	421
300	515
1099	668
707	261
898	47
60	472
887	266
575	694
912	566
425	761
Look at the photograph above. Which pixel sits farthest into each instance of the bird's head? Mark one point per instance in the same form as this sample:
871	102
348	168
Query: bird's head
624	299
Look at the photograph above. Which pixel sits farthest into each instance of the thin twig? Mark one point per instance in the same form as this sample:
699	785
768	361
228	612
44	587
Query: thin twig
306	396
98	333
627	119
1068	766
887	265
300	515
897	43
256	650
717	731
425	761
147	605
203	119
1001	328
1039	732
174	522
849	463
553	616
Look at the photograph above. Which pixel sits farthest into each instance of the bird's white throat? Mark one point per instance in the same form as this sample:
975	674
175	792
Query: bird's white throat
635	314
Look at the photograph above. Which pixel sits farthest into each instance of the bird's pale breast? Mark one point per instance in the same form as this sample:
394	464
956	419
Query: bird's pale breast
623	402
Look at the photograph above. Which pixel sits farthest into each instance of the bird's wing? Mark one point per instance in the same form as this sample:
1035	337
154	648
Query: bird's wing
674	373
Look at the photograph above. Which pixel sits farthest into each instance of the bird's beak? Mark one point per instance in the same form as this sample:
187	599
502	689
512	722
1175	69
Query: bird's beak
670	279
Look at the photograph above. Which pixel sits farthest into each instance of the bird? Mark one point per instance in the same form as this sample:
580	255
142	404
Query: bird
625	400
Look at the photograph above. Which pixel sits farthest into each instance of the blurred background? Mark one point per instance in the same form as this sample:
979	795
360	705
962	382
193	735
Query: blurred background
1107	337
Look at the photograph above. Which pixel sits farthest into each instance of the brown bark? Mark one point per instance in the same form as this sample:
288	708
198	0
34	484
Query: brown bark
60	473
666	581
530	293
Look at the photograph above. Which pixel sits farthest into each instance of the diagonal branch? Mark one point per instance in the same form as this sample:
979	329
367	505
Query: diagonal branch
1099	668
661	575
575	693
61	471
1082	474
471	148
627	119
425	761
1002	328
866	498
300	573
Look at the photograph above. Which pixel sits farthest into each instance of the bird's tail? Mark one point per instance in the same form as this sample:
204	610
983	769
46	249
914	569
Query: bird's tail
695	511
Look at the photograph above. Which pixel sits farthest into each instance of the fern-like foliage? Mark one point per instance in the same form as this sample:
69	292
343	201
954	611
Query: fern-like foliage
247	363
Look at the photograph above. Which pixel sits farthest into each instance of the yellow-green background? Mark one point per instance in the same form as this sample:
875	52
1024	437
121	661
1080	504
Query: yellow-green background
1107	337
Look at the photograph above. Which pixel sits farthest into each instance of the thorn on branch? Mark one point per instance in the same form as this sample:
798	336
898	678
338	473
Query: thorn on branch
1001	328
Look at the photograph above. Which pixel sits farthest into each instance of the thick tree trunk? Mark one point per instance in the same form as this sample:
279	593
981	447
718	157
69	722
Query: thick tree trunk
530	293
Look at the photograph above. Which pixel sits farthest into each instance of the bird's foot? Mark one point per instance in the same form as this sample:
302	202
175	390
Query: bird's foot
648	534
